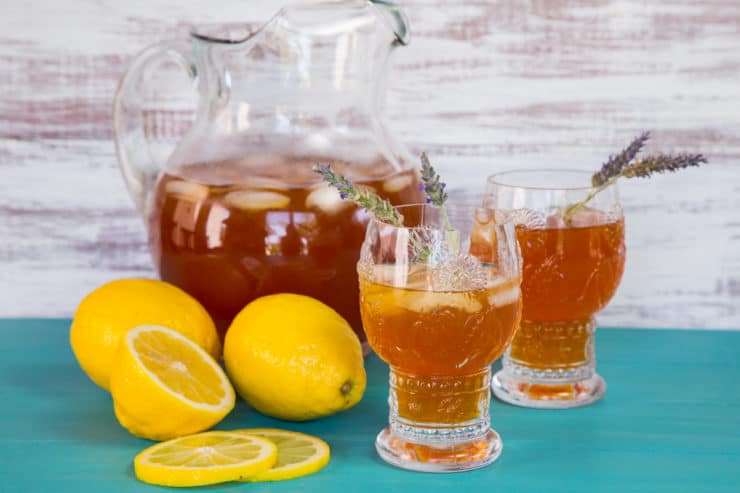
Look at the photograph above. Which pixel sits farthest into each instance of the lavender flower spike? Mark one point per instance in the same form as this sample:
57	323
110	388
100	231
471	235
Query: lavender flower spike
645	167
381	208
624	165
613	166
433	187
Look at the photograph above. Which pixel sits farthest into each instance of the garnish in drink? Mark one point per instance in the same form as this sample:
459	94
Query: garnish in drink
624	165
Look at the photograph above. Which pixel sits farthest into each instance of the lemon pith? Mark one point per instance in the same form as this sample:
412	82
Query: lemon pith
298	454
206	458
164	385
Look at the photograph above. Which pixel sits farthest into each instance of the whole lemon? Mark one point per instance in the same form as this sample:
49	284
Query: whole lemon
292	357
107	313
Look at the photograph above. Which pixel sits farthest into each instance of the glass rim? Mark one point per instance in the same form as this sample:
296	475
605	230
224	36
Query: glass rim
409	206
243	31
507	220
494	179
226	33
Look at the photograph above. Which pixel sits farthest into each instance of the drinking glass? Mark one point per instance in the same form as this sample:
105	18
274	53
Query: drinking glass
440	300
573	261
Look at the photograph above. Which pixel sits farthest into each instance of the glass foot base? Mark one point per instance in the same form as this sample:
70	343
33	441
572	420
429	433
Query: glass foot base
427	458
550	395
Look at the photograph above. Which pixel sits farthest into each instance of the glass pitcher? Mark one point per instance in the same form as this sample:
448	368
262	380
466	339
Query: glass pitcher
235	211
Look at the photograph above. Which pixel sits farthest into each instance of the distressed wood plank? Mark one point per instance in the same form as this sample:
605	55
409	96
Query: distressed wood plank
484	86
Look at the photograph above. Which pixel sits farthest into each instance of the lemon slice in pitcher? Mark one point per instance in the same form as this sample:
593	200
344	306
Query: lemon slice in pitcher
206	458
298	454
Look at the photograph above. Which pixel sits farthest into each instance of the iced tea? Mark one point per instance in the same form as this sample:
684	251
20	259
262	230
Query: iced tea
440	345
227	237
439	312
569	273
571	238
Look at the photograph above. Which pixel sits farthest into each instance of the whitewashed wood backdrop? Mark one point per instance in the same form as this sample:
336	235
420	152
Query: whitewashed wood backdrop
484	86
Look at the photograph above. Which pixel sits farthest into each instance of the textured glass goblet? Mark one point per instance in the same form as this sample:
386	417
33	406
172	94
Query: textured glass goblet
439	305
573	259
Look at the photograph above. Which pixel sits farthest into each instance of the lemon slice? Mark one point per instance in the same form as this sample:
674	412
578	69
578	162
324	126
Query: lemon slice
256	200
187	190
298	454
206	458
165	386
326	199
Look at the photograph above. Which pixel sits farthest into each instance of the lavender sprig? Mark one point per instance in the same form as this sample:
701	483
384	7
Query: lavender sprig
434	188
381	208
613	166
431	184
645	167
624	165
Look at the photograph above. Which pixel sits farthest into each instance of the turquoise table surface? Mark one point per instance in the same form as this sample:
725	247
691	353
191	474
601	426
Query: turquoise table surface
670	422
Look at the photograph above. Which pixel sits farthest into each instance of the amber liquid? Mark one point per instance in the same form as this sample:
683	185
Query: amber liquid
425	335
227	239
569	274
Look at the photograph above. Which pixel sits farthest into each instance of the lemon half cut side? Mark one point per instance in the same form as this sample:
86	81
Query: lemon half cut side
165	386
106	314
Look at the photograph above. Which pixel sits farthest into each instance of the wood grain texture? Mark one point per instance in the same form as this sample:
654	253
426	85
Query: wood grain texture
483	86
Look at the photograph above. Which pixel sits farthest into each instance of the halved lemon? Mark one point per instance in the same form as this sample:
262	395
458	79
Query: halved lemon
107	313
298	454
165	386
206	458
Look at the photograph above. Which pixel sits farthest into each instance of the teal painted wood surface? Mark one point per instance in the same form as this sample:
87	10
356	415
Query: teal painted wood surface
670	422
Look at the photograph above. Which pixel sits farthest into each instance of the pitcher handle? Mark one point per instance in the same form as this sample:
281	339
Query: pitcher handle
135	148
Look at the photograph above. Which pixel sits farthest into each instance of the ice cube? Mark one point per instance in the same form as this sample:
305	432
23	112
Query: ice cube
256	200
264	182
505	296
419	277
555	221
187	190
327	199
398	275
482	235
528	217
460	272
397	183
484	216
427	301
587	217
